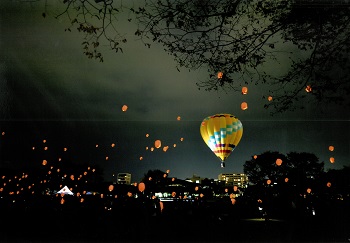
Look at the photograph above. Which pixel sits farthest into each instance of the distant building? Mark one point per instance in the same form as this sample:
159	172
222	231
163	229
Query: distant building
124	178
232	179
195	179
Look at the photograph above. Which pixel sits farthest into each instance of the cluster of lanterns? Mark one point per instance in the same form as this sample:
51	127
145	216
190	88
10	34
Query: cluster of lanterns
331	159
157	143
244	105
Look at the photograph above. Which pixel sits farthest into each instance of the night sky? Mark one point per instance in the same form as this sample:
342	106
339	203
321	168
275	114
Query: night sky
50	90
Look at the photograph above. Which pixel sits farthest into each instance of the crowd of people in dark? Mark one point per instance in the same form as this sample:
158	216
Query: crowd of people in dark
134	215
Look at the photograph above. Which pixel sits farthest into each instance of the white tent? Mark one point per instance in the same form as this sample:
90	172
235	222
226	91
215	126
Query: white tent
65	190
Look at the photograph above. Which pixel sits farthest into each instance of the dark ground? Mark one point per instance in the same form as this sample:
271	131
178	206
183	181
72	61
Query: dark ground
173	225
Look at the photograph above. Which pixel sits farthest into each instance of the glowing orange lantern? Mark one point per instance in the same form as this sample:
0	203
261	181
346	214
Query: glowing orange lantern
124	107
308	88
308	190
142	187
268	182
157	144
269	98
244	90
110	188
255	156
278	162
112	145
178	118
332	160
44	162
329	184
286	179
331	148
244	106
165	148
220	75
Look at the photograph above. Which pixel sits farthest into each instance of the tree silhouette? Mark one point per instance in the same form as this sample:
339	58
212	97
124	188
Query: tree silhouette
300	169
243	40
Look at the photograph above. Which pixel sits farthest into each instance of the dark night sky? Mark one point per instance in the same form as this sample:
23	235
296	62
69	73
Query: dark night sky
50	90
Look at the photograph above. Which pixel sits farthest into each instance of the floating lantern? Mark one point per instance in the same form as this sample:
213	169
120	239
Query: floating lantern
308	190
331	148
124	107
157	144
268	182
244	106
308	88
278	162
178	118
332	160
244	90
329	184
44	162
142	187
286	179
269	98
220	75
110	188
255	156
165	148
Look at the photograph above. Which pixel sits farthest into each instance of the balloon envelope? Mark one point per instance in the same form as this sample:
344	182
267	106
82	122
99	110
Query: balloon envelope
221	133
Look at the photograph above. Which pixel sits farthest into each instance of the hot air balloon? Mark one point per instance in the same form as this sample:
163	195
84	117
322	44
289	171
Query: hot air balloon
221	133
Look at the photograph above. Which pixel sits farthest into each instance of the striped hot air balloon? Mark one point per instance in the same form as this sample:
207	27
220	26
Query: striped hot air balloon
221	133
